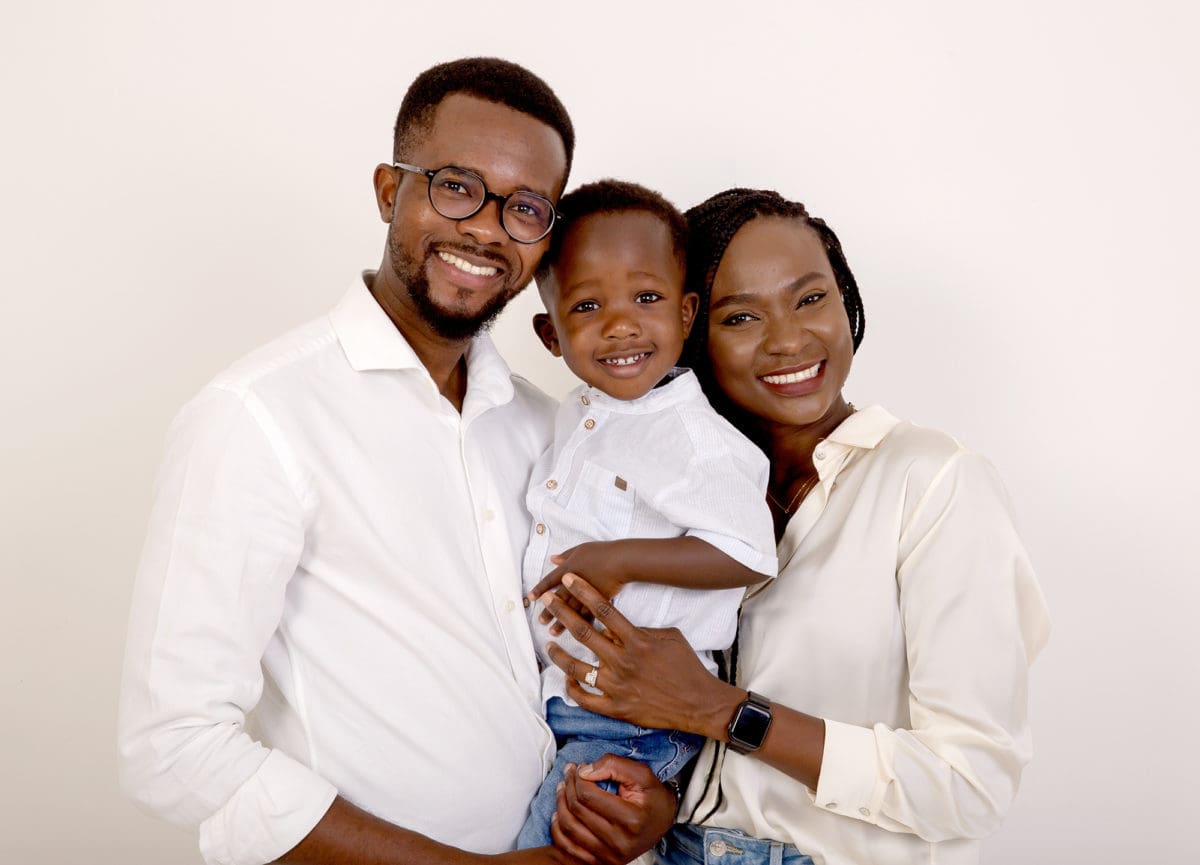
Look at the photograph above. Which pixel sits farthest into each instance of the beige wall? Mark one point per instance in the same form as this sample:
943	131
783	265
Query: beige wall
1015	185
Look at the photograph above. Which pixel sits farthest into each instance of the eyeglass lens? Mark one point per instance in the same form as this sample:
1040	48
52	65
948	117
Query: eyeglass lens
457	194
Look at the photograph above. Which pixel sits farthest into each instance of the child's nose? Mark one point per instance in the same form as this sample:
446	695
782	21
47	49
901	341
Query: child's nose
620	324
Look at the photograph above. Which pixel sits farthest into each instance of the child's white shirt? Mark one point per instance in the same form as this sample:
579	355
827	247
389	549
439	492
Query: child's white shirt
664	465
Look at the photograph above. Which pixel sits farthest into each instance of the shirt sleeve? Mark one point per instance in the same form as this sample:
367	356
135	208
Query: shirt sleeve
974	619
226	533
721	499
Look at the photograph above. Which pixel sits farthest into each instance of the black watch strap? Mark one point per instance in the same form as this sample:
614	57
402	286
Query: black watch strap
748	727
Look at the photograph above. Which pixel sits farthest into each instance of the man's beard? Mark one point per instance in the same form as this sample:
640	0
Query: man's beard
447	324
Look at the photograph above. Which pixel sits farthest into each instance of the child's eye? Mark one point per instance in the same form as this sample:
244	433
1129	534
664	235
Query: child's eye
738	318
648	297
585	306
809	299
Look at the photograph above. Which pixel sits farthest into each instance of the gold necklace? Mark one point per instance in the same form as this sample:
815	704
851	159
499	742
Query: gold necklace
804	490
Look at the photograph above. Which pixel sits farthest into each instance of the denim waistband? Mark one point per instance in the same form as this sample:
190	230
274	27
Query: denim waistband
708	846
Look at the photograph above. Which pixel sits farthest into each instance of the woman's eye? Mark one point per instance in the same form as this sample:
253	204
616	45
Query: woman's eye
585	306
648	297
737	318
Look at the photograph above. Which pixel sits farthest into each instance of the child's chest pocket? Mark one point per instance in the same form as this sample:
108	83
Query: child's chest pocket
607	498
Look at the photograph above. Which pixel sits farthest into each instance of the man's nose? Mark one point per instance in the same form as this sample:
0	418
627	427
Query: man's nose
485	225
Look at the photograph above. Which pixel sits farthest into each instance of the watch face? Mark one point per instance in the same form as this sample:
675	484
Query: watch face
750	727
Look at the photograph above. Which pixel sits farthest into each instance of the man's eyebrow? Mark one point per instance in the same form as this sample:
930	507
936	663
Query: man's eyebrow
750	297
546	195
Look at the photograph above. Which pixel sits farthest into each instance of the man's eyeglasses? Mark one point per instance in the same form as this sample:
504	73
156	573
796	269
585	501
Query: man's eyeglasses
456	194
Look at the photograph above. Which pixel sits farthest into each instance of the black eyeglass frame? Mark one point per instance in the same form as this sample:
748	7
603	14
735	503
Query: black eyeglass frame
488	195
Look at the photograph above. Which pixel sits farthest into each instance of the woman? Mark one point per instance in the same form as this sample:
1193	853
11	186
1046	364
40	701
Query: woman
891	653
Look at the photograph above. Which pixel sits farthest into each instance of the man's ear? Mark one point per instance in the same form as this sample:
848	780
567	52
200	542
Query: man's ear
689	305
385	181
544	328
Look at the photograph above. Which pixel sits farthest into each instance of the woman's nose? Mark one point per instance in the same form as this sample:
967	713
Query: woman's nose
783	337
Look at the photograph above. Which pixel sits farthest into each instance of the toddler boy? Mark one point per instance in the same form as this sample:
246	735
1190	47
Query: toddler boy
643	474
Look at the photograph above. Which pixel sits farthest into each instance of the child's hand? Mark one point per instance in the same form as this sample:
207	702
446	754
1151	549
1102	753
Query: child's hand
598	562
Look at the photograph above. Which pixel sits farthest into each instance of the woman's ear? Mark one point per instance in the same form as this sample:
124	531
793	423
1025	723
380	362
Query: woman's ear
689	305
385	190
544	328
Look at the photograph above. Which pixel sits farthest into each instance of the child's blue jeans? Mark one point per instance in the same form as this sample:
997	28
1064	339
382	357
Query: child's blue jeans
585	737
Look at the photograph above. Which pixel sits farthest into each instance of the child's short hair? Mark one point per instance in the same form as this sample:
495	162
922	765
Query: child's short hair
612	196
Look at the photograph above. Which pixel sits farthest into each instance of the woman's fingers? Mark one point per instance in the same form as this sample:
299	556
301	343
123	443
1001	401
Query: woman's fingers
616	626
600	606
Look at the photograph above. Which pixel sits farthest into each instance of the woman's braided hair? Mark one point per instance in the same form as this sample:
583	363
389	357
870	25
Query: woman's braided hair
711	226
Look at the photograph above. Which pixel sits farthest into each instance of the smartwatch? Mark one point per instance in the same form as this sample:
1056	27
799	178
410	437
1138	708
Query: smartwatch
749	724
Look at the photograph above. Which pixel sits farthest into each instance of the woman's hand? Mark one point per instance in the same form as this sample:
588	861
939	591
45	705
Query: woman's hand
600	828
648	676
600	562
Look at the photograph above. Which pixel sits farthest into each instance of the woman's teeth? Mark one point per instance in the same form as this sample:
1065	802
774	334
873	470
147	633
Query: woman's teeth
793	377
624	361
466	266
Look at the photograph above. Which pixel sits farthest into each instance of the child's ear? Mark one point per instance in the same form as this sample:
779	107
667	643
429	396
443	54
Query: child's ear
691	302
544	328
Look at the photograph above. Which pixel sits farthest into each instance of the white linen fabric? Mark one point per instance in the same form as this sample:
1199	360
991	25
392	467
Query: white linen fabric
329	599
664	465
906	614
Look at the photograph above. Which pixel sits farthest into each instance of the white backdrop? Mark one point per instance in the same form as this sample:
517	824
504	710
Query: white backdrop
1015	185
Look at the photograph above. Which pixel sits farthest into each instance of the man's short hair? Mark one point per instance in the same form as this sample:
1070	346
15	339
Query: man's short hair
612	196
487	78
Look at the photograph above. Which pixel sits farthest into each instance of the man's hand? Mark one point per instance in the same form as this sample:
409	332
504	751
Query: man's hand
600	828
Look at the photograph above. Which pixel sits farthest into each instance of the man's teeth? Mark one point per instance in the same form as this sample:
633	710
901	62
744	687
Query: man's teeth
623	361
466	266
793	377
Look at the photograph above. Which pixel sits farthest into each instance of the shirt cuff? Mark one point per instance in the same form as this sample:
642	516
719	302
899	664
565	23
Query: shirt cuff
268	815
851	783
741	552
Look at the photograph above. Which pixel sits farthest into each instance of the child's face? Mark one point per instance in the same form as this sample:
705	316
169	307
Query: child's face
617	311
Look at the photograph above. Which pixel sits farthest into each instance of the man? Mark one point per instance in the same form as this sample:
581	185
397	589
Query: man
328	657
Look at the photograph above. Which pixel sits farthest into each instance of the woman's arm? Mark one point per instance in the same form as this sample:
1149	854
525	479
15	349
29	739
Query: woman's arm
973	619
653	678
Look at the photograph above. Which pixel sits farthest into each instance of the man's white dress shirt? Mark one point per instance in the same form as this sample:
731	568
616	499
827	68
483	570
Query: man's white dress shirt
906	614
664	465
329	600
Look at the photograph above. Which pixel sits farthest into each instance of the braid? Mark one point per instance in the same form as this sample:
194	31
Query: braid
711	226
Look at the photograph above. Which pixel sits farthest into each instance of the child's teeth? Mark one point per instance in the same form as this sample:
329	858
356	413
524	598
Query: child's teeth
793	377
466	266
625	361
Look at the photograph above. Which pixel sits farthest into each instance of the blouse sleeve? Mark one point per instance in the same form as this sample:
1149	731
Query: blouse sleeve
974	619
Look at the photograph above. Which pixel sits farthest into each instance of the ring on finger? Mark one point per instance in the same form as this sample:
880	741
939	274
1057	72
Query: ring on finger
590	678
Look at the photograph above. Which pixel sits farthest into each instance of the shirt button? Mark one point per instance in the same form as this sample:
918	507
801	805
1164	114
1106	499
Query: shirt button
589	423
866	812
488	515
716	848
551	484
509	606
820	455
583	399
540	528
832	806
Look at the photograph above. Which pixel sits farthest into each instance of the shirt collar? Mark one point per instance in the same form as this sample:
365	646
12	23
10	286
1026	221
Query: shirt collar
366	333
866	428
371	341
681	386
